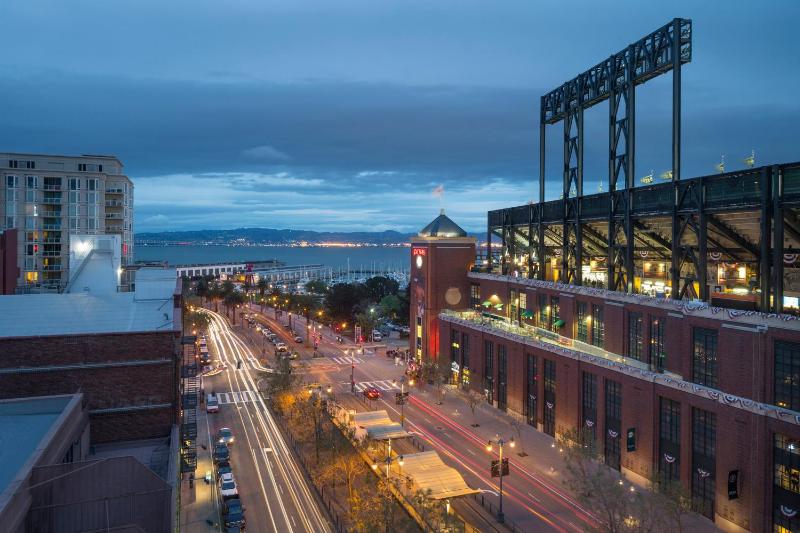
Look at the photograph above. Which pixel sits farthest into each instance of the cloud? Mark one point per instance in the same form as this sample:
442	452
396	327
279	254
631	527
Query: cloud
265	152
155	220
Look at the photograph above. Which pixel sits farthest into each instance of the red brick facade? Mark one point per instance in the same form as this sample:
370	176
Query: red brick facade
745	421
129	381
9	271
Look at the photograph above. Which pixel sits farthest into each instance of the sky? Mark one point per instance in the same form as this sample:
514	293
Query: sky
347	115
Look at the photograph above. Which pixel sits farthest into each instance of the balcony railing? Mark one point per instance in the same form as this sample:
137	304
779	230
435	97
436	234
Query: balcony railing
114	203
48	187
503	324
52	227
115	191
52	268
114	216
51	199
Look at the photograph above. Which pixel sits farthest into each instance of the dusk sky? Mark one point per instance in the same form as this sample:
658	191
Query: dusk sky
345	115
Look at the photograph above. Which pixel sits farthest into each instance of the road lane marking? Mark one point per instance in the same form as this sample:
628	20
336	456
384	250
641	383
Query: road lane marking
539	501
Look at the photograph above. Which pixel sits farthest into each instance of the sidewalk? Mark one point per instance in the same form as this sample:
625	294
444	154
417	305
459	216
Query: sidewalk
199	505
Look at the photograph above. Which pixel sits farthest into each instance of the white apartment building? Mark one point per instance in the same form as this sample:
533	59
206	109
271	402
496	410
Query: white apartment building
50	197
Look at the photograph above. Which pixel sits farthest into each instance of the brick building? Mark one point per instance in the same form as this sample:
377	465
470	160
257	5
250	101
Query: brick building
119	349
9	271
705	395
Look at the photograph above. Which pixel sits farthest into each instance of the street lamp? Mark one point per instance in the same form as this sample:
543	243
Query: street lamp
500	443
352	371
403	398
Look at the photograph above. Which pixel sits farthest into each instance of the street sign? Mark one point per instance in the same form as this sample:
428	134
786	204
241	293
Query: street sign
631	439
733	484
400	398
496	467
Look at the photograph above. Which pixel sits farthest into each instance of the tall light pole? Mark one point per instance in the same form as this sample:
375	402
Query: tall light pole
500	443
352	372
402	400
389	460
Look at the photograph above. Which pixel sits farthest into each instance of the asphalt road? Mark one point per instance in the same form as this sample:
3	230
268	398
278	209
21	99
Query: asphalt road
531	500
272	486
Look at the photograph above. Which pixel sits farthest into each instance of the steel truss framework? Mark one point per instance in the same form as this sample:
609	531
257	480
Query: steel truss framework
694	225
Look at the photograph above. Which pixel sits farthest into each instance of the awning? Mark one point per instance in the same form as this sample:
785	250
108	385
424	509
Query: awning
428	472
379	426
558	323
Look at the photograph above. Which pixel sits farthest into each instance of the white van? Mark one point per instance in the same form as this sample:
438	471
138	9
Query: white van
376	336
212	404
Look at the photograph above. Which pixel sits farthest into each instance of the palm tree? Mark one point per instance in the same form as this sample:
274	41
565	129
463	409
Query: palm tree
262	285
201	289
232	300
215	295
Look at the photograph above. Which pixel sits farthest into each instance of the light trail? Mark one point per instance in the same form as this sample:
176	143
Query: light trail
305	503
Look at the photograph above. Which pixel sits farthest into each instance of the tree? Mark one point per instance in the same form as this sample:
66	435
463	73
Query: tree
367	321
231	301
201	289
390	307
474	398
379	286
341	299
316	286
215	294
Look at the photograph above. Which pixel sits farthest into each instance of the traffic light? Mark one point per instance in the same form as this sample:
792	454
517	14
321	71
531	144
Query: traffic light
496	467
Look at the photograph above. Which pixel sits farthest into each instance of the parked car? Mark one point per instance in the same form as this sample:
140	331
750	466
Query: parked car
227	486
225	436
372	393
224	467
287	326
376	336
233	514
212	404
221	453
298	338
282	347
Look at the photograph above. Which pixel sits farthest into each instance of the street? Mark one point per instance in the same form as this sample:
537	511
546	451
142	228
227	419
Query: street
533	496
272	485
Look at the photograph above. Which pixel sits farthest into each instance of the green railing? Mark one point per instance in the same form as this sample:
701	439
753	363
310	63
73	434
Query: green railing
502	323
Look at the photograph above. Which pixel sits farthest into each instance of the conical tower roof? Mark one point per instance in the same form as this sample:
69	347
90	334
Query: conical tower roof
442	226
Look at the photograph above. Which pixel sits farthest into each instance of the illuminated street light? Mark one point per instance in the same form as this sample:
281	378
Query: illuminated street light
500	444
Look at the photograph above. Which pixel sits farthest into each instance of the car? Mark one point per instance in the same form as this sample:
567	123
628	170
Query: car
293	355
298	338
221	453
233	514
372	393
212	404
224	467
281	347
227	487
225	436
287	326
376	336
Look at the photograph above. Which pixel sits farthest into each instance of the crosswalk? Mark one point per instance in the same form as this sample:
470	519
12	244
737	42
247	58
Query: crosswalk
382	385
348	360
237	397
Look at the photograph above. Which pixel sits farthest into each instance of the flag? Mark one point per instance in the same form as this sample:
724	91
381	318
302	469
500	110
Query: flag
438	191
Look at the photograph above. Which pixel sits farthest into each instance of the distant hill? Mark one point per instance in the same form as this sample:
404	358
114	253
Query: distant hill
270	236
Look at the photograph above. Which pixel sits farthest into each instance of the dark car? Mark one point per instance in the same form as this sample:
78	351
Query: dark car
372	393
233	513
224	467
221	453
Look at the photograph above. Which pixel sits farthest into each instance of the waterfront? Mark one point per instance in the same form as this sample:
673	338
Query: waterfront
367	258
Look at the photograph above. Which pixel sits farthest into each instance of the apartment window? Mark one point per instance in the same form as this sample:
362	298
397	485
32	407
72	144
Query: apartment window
12	182
786	491
787	375
74	197
523	301
657	353
531	389
454	346
549	424
13	163
598	327
74	224
488	370
589	402
91	224
92	184
30	263
704	442
32	182
669	440
704	357
30	222
74	184
11	222
91	210
30	164
635	336
82	167
30	196
475	295
72	209
613	425
91	197
465	359
581	326
544	321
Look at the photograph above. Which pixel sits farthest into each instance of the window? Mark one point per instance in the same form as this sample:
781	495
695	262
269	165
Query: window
543	314
635	336
91	197
30	164
613	425
786	479
513	306
704	441
91	184
669	440
74	184
13	163
74	223
72	209
704	357
74	197
581	326
555	313
12	182
502	376
523	301
465	359
488	370
531	390
475	295
32	182
30	196
454	346
11	222
787	375
91	210
657	353
598	327
91	223
549	425
30	222
589	402
82	167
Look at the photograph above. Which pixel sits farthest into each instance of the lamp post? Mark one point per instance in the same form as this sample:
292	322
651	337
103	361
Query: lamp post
500	443
389	460
403	398
352	372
